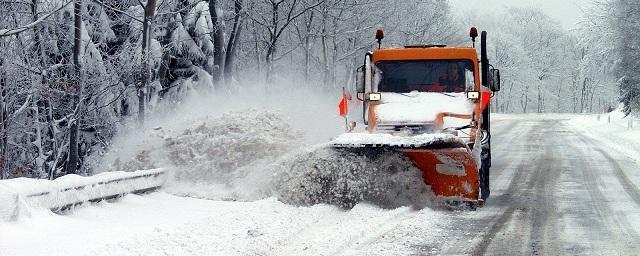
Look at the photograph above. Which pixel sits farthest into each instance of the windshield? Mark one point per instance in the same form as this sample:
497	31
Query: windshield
425	76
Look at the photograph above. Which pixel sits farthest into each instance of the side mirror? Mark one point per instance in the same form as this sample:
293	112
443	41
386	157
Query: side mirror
360	77
495	80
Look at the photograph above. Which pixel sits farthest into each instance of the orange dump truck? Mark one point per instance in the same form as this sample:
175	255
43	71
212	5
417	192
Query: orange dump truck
431	103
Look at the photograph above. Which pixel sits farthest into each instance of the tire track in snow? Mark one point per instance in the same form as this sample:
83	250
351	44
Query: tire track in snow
607	216
543	238
507	134
627	184
479	228
517	201
629	187
342	232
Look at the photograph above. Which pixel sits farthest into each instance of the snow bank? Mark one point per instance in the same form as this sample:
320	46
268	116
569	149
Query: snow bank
344	178
16	195
613	129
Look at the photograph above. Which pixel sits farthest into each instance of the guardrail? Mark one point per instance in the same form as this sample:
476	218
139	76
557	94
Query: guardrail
73	190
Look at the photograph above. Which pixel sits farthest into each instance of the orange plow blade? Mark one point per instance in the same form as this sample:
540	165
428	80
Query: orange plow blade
451	172
447	163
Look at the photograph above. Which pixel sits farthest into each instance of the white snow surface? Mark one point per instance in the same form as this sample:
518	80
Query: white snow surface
163	224
395	140
421	107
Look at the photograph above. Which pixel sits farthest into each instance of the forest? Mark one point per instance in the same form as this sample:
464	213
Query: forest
72	72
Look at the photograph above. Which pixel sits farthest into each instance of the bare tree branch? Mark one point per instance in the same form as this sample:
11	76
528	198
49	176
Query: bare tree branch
14	31
117	10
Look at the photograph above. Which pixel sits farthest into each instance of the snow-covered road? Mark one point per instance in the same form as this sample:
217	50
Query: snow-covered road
557	189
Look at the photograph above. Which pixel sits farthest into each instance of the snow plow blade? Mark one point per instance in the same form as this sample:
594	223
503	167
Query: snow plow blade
446	162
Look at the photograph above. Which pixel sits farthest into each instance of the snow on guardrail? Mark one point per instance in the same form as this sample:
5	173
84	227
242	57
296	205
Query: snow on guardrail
72	190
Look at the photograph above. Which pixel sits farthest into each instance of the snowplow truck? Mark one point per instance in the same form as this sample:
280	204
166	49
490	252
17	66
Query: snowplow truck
430	103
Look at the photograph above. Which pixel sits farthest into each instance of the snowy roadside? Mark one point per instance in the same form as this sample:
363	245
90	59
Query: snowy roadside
613	130
163	224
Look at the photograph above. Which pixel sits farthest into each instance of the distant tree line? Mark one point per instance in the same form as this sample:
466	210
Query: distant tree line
546	68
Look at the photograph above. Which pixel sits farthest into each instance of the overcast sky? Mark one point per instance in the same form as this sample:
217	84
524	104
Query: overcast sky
568	12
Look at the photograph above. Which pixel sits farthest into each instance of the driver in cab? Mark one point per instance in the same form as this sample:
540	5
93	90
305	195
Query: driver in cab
452	81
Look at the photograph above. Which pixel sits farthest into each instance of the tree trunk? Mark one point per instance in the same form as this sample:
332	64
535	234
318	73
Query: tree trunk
149	12
307	47
272	40
37	141
39	46
582	95
52	137
257	48
325	58
540	99
218	44
233	42
325	46
269	61
72	160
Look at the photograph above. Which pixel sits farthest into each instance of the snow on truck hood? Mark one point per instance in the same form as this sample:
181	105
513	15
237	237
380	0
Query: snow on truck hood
421	140
420	107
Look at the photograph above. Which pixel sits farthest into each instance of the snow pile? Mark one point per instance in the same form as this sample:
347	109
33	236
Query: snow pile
344	178
420	107
224	158
239	156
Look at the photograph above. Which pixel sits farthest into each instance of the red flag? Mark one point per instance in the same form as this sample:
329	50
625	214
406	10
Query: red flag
344	105
486	97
